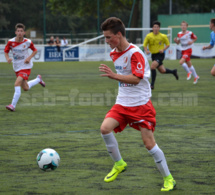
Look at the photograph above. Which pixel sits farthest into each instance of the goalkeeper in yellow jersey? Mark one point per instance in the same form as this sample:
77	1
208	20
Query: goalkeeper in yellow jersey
157	44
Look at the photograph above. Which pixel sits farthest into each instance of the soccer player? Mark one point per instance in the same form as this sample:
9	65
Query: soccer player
187	38
22	63
156	41
133	105
212	42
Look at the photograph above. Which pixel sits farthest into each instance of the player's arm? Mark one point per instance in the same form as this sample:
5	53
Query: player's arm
194	38
131	79
6	53
177	40
9	60
166	42
207	47
145	43
28	59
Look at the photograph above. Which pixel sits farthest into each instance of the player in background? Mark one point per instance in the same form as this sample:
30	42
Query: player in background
212	42
133	105
22	63
156	41
187	38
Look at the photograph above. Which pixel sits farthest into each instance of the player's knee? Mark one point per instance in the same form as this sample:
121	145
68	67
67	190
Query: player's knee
212	73
104	129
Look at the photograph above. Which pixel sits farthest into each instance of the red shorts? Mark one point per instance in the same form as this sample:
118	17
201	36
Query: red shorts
25	73
186	54
143	116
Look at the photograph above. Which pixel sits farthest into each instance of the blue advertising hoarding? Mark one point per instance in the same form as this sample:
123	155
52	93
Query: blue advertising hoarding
52	54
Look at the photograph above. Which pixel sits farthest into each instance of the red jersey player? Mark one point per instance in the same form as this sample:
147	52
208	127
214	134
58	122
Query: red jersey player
133	105
22	63
187	38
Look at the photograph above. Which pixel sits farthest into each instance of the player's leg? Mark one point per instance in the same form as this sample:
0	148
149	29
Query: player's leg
154	65
17	93
192	69
159	158
35	81
213	70
112	147
183	63
164	70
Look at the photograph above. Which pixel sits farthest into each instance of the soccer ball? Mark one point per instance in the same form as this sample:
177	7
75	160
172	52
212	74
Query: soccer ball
48	159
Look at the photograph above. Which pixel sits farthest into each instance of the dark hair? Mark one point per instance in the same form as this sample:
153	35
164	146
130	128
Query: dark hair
156	23
184	22
113	24
213	21
20	25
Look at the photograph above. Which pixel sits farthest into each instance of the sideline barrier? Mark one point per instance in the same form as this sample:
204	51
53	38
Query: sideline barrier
94	53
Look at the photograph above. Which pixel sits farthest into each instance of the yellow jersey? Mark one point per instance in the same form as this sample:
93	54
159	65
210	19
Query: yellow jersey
155	42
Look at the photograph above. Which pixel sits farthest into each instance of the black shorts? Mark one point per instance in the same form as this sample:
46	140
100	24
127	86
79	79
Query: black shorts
158	57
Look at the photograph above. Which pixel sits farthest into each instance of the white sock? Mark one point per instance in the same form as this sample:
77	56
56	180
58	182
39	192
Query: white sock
112	146
160	160
33	82
186	68
192	69
16	95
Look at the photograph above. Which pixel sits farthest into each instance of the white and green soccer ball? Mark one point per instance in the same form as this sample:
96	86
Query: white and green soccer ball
48	159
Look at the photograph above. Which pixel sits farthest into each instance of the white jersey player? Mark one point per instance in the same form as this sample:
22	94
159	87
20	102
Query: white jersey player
22	63
133	105
187	38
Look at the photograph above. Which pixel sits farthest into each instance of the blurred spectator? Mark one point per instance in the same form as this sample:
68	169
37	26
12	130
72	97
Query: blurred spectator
57	43
51	41
64	42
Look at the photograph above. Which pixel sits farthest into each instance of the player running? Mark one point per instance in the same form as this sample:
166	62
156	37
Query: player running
212	42
156	41
133	105
22	63
187	38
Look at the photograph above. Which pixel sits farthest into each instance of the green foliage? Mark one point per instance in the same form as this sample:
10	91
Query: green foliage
4	9
45	117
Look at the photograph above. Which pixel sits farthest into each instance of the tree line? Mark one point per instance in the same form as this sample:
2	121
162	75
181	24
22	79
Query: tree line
81	16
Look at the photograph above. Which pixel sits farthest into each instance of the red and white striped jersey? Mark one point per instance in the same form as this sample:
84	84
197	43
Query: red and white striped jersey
132	61
20	53
185	38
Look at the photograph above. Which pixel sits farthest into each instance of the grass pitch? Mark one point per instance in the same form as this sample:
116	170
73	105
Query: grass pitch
67	114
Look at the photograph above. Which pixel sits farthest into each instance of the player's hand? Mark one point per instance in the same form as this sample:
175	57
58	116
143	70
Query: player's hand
27	60
175	40
109	73
161	51
204	48
190	43
9	60
147	52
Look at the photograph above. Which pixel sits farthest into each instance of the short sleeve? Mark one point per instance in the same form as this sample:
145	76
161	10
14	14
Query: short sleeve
193	36
32	47
145	43
137	64
7	47
166	40
212	42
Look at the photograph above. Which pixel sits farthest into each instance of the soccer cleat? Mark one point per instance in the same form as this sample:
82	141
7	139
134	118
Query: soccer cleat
169	184
41	81
115	171
10	107
175	74
196	80
189	74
